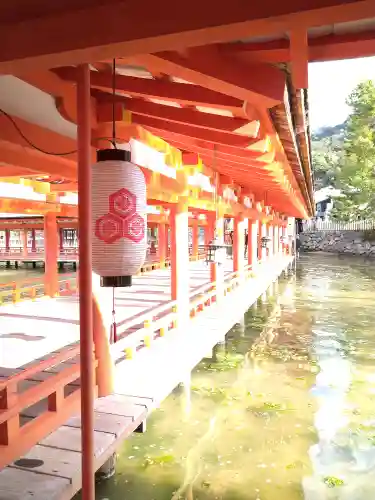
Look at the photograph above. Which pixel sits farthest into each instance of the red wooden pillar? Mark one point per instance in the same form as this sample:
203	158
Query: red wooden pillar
33	241
276	239
269	232
85	281
261	250
24	235
50	254
217	270
61	239
252	242
209	229
162	242
179	222
285	239
238	243
195	234
7	240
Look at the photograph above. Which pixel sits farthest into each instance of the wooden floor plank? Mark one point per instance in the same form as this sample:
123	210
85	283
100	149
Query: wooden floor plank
117	404
56	462
105	422
69	438
16	484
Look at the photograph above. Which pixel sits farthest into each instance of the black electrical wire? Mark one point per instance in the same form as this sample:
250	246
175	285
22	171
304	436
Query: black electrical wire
34	146
28	140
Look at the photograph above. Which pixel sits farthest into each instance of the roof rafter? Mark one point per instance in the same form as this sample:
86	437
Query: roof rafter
213	136
168	113
157	89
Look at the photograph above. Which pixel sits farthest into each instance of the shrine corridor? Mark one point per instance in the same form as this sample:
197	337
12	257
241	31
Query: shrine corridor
284	408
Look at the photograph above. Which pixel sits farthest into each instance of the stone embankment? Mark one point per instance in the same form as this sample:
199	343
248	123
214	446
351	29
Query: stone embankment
347	242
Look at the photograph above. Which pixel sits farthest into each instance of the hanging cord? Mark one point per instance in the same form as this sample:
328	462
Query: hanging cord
114	104
113	326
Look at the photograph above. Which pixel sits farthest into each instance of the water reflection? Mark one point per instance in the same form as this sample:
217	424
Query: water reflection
283	409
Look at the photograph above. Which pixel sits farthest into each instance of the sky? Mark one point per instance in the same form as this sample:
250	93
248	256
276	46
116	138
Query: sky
329	85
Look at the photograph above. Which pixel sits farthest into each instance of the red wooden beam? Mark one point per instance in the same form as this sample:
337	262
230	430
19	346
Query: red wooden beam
41	137
322	48
208	156
212	161
256	150
15	171
26	42
158	126
18	206
63	92
348	46
210	69
224	152
35	161
183	93
169	113
300	58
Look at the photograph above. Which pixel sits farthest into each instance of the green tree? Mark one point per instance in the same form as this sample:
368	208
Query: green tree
326	154
355	173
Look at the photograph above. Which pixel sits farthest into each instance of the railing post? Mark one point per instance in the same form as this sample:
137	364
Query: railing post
10	428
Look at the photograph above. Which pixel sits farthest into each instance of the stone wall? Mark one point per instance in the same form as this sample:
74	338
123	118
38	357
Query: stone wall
348	242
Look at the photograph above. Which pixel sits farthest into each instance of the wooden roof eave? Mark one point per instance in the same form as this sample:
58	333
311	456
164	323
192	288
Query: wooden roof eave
282	119
303	136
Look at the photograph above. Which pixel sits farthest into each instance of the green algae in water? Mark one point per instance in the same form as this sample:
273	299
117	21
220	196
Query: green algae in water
158	460
333	482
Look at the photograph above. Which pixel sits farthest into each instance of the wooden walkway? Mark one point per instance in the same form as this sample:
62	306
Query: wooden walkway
52	469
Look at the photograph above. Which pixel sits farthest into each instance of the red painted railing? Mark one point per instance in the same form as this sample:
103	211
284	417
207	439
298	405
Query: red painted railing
16	253
33	288
60	400
30	289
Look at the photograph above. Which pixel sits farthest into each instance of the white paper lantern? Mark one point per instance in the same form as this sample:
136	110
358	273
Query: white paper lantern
119	217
